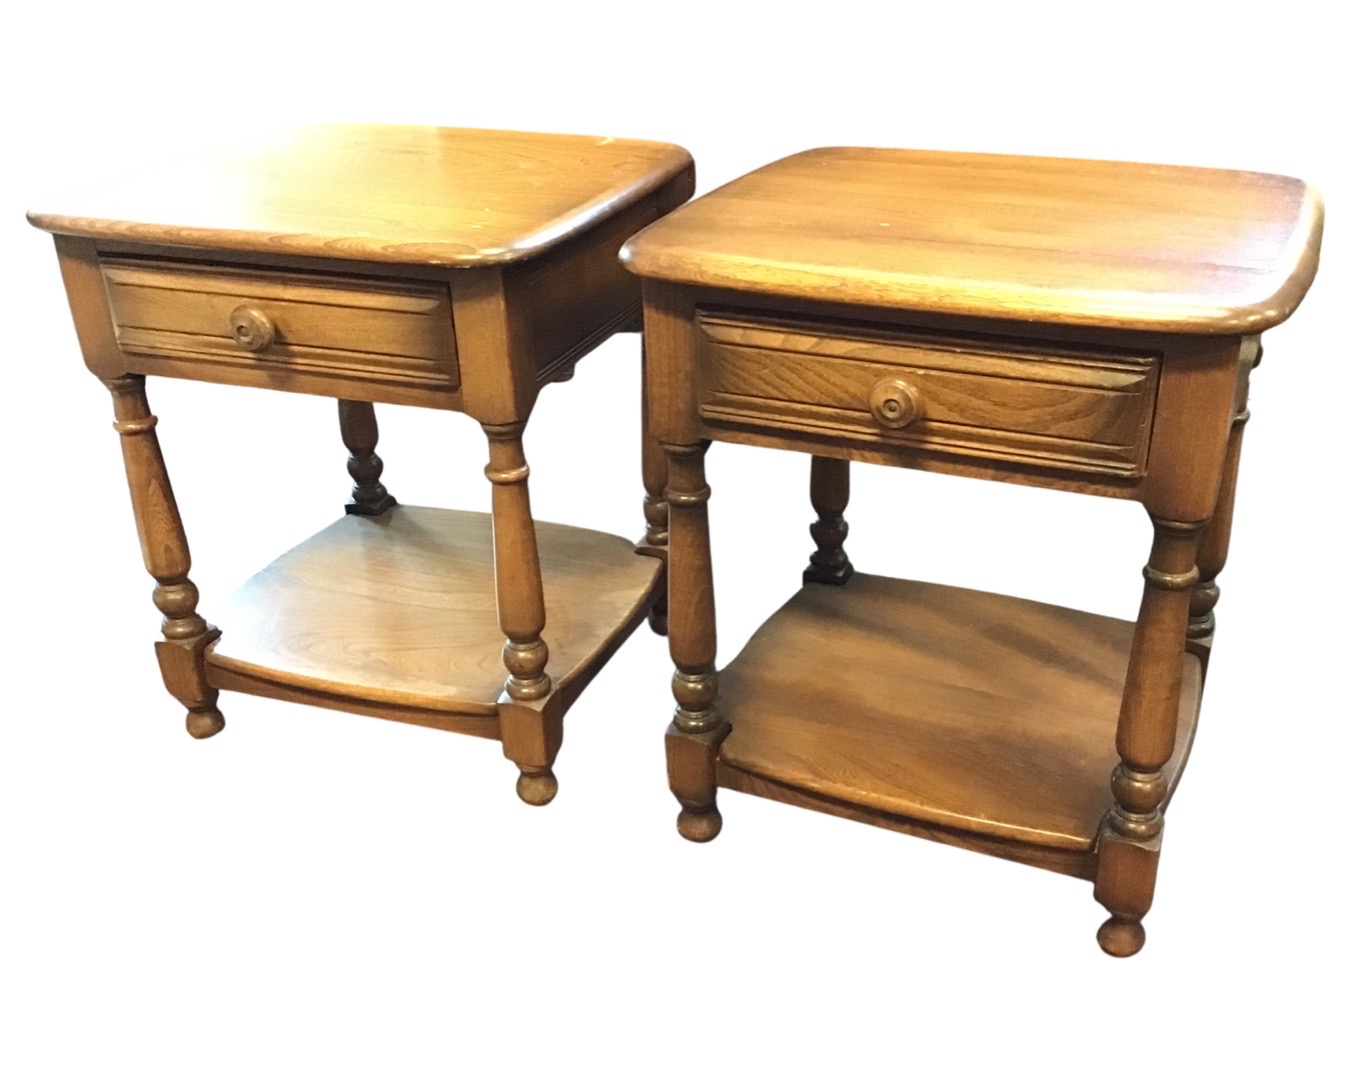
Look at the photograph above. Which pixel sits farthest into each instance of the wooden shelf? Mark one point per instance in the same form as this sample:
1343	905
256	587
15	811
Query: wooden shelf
396	615
982	720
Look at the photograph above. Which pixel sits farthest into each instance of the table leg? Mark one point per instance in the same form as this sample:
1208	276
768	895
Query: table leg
697	729
1131	836
164	549
656	541
1213	553
531	718
360	433
829	564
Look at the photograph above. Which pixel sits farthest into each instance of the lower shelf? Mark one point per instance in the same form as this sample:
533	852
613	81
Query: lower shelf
396	615
983	717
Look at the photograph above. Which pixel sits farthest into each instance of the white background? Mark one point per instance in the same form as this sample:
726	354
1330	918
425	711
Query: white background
314	894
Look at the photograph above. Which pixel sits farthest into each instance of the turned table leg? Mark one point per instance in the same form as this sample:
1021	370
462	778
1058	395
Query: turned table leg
656	541
531	720
164	548
1213	552
1131	836
829	564
696	731
360	433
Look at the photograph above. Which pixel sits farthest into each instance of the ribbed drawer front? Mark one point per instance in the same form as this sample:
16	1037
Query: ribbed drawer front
1084	410
387	330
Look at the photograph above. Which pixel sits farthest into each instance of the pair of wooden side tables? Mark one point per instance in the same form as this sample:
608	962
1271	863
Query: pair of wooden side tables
1087	326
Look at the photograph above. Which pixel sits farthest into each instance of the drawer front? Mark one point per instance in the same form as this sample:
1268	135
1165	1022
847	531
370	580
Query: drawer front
994	399
364	328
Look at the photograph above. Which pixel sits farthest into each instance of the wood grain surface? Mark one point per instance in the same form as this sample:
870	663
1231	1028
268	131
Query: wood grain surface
401	609
1079	325
398	194
1094	243
322	324
1085	409
968	710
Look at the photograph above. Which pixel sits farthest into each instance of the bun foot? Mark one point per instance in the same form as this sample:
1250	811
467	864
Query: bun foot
1121	937
203	723
699	827
537	788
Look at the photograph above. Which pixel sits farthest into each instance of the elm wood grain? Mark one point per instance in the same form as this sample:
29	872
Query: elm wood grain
1146	736
313	322
1079	864
764	300
967	710
697	726
1197	384
369	385
1054	241
164	549
578	294
564	304
87	295
678	383
531	733
446	268
530	224
1198	387
926	460
360	434
480	725
1197	378
453	197
1080	409
400	610
520	594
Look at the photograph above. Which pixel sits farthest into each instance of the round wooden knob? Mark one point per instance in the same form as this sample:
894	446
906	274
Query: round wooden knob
895	403
251	328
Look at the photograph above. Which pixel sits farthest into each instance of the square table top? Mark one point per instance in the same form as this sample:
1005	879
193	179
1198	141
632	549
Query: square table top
1094	243
383	193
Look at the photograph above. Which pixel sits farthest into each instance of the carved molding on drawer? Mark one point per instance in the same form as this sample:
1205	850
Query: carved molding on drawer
1087	410
389	331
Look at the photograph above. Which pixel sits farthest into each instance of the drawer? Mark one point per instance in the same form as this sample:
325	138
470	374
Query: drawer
365	328
1087	410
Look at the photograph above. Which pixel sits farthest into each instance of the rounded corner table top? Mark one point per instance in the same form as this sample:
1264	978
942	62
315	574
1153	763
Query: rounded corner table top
433	196
1094	243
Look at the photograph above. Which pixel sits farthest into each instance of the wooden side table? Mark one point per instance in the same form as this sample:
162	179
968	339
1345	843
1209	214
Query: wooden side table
447	268
1087	326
